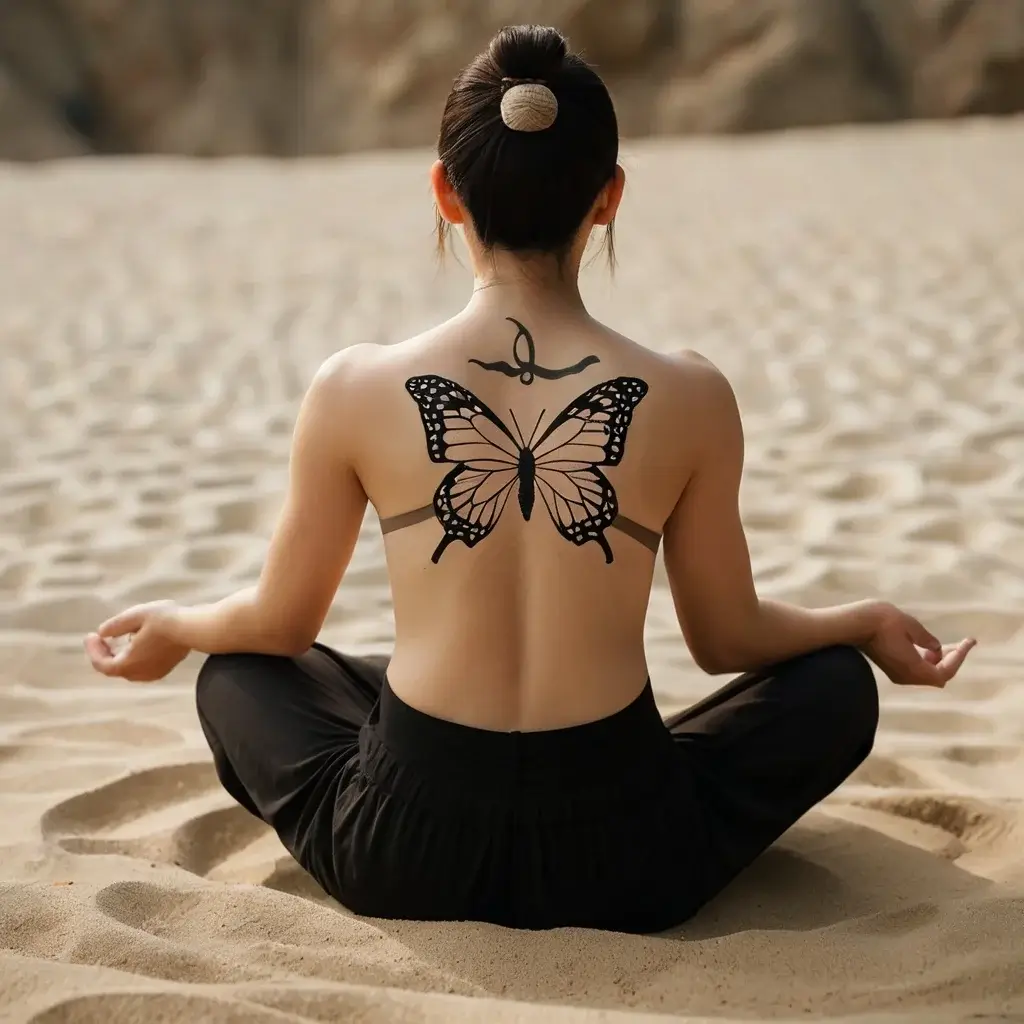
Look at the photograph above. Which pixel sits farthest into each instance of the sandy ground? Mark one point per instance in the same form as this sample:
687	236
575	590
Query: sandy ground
158	323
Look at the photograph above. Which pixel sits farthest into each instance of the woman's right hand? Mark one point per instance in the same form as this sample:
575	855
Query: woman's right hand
908	654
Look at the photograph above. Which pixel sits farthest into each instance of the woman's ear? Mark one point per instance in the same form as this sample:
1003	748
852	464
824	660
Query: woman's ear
447	201
607	203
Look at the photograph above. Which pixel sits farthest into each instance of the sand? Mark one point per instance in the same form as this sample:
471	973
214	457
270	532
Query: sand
159	321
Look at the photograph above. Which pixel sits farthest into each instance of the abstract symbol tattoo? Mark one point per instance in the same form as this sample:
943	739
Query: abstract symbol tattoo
527	369
560	465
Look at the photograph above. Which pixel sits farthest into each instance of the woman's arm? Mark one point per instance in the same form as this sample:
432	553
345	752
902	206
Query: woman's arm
309	551
727	626
311	546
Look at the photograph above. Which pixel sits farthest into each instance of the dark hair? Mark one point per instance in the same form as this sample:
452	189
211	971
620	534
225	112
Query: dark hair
528	192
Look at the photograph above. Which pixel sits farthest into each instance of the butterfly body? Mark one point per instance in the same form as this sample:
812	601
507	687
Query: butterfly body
561	464
527	482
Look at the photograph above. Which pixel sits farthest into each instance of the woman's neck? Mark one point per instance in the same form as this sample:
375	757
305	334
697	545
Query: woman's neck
539	284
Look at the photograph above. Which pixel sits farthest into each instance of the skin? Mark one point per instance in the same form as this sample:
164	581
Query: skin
524	631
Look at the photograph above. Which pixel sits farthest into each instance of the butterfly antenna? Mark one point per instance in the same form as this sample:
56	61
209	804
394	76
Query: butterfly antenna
519	430
540	419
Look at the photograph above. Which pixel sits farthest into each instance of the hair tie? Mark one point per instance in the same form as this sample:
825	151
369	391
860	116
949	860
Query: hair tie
508	81
527	105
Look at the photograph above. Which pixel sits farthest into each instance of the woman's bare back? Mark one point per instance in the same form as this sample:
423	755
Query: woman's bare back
523	467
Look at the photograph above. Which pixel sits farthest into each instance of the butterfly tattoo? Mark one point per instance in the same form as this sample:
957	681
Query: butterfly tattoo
561	464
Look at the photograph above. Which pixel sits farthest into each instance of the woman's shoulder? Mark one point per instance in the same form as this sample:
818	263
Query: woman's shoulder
690	365
359	364
682	366
684	377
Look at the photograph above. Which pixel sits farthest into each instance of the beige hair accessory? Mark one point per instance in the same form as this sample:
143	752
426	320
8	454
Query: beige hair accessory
528	106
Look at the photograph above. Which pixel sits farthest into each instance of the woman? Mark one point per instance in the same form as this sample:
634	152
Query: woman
508	763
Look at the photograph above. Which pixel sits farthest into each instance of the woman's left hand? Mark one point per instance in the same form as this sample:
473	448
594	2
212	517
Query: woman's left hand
149	654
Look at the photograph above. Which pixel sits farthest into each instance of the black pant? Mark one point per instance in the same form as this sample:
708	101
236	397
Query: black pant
629	823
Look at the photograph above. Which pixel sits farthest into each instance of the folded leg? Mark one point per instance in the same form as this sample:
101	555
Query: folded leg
770	745
283	731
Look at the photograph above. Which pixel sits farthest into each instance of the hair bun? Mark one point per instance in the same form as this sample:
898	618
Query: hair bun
529	107
530	52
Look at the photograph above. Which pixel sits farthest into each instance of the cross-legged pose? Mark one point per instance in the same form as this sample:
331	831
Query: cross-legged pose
506	762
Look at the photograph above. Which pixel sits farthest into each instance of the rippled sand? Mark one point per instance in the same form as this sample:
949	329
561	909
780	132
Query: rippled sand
159	322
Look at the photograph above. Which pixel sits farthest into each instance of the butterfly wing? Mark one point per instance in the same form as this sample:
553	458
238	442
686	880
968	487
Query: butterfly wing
582	504
469	503
460	429
589	432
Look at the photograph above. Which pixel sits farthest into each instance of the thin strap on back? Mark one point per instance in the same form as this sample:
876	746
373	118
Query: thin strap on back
650	539
400	522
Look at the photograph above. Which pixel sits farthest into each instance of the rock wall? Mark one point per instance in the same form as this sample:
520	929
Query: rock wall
288	77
